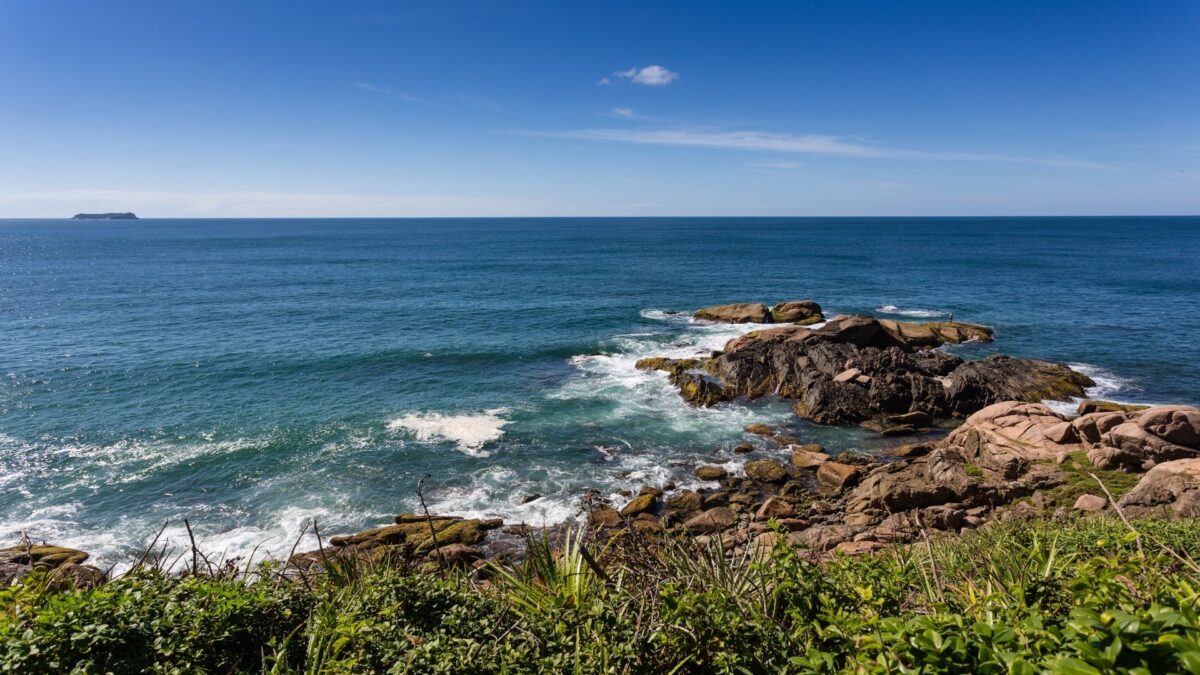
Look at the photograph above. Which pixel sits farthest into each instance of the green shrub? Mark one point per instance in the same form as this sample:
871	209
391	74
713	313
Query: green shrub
1082	596
149	622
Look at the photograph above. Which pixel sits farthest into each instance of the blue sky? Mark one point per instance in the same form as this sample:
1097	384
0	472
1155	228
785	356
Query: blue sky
672	108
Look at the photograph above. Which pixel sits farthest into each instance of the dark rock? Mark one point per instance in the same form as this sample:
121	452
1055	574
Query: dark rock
854	369
710	472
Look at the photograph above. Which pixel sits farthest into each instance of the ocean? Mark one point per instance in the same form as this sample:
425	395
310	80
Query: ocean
252	375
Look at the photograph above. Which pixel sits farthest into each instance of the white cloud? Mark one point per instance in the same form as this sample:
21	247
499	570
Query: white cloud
815	144
738	140
650	76
624	113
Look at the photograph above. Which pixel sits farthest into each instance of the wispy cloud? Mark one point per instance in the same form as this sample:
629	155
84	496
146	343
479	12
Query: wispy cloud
650	76
813	144
624	114
389	91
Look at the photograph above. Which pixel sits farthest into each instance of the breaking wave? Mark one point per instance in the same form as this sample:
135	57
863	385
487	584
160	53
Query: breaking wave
469	433
915	313
1109	386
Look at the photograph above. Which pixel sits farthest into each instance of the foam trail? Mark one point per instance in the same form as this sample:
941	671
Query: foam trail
915	313
469	433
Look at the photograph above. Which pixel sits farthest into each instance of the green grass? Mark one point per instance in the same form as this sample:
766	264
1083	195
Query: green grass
1086	596
1079	473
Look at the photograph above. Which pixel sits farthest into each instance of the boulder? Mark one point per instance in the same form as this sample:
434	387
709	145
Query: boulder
774	509
848	375
455	555
1158	434
640	504
711	472
64	565
822	537
808	459
735	313
766	471
1006	437
711	521
604	517
802	312
686	501
1089	502
1090	428
836	475
760	429
1171	488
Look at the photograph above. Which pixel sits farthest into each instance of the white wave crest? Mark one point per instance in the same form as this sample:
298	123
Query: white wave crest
665	315
1109	386
469	432
916	313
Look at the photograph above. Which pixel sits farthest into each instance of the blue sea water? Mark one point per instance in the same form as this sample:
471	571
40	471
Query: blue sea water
251	375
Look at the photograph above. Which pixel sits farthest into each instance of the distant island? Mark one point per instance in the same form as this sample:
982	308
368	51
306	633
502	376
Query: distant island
105	216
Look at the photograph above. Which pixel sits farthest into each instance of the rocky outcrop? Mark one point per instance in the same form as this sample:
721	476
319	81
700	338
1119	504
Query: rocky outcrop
858	369
748	312
930	335
1147	437
800	312
1093	405
412	538
63	565
976	384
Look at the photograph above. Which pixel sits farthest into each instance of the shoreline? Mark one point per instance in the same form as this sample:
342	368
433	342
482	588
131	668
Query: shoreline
818	497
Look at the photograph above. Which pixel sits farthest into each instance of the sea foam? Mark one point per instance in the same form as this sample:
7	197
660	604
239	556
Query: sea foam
915	313
1109	386
468	432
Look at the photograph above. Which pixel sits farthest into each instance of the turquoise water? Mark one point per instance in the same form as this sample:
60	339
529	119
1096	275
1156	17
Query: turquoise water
251	375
